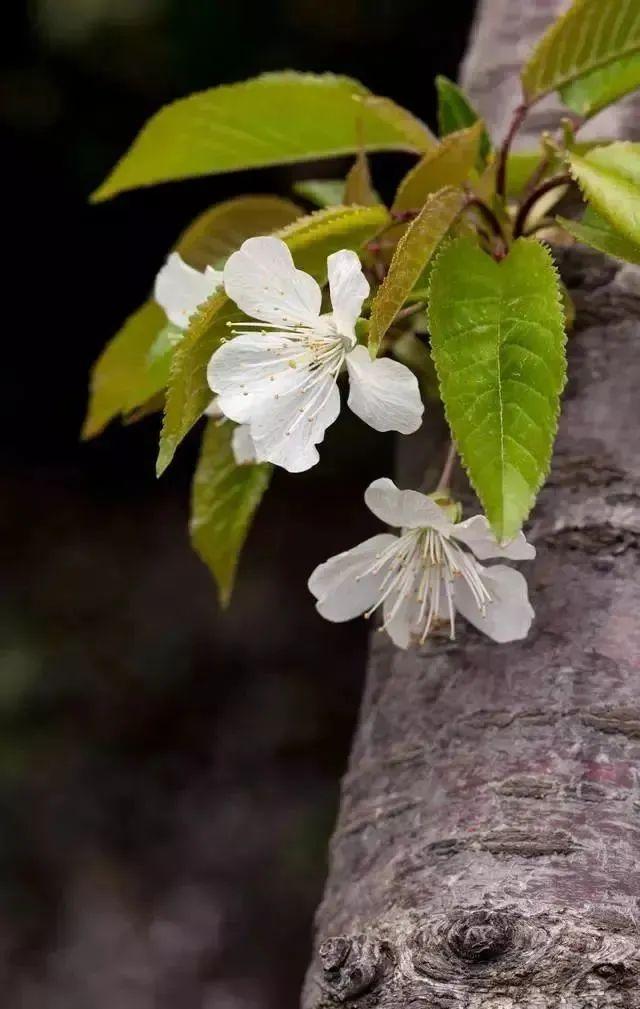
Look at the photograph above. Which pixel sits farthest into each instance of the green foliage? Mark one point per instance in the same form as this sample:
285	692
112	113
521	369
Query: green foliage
134	366
311	239
224	499
358	187
158	361
609	177
219	231
455	112
321	192
594	231
277	118
590	35
449	164
497	322
497	340
188	394
121	379
520	167
602	87
413	252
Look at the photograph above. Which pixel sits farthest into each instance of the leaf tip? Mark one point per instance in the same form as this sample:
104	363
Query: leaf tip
103	192
90	428
165	455
225	591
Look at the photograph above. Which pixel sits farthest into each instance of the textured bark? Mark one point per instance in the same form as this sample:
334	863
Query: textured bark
487	846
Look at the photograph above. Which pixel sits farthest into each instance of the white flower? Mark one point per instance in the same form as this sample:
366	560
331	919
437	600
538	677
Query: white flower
244	451
426	574
281	378
179	289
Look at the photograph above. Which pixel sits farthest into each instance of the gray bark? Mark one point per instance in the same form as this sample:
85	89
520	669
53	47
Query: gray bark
487	846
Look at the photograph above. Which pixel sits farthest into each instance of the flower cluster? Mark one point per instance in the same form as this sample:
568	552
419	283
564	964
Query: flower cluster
278	380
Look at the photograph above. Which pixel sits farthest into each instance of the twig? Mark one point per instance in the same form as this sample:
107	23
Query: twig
474	203
501	174
447	469
488	214
404	313
529	202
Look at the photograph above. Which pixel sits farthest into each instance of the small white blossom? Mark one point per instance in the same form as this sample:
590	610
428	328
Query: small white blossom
281	378
424	575
179	289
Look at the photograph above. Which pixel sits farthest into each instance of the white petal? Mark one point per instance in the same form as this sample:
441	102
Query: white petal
244	451
252	367
286	430
348	287
478	536
179	289
339	595
406	509
401	627
383	393
509	614
262	280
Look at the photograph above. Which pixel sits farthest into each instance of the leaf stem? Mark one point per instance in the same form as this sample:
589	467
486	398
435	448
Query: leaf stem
516	122
404	313
529	202
447	469
475	203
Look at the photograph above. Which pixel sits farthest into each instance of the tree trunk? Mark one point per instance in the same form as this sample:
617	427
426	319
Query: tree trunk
487	846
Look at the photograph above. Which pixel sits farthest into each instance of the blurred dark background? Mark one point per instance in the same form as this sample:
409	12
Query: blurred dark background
168	774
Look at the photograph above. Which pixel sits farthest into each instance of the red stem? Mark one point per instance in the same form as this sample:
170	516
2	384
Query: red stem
501	174
527	204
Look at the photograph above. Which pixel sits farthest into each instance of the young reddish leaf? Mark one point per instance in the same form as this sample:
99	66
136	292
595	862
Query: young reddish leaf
413	253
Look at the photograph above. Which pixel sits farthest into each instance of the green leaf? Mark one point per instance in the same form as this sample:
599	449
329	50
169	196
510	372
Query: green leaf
120	379
214	235
277	118
455	112
358	187
590	35
609	177
311	239
224	499
412	254
498	343
158	363
602	87
321	192
593	230
450	164
134	366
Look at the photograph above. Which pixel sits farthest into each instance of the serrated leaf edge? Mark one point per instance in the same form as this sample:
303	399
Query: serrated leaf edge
545	472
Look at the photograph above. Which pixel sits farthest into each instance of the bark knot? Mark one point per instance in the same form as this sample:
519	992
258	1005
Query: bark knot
352	965
481	935
614	973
